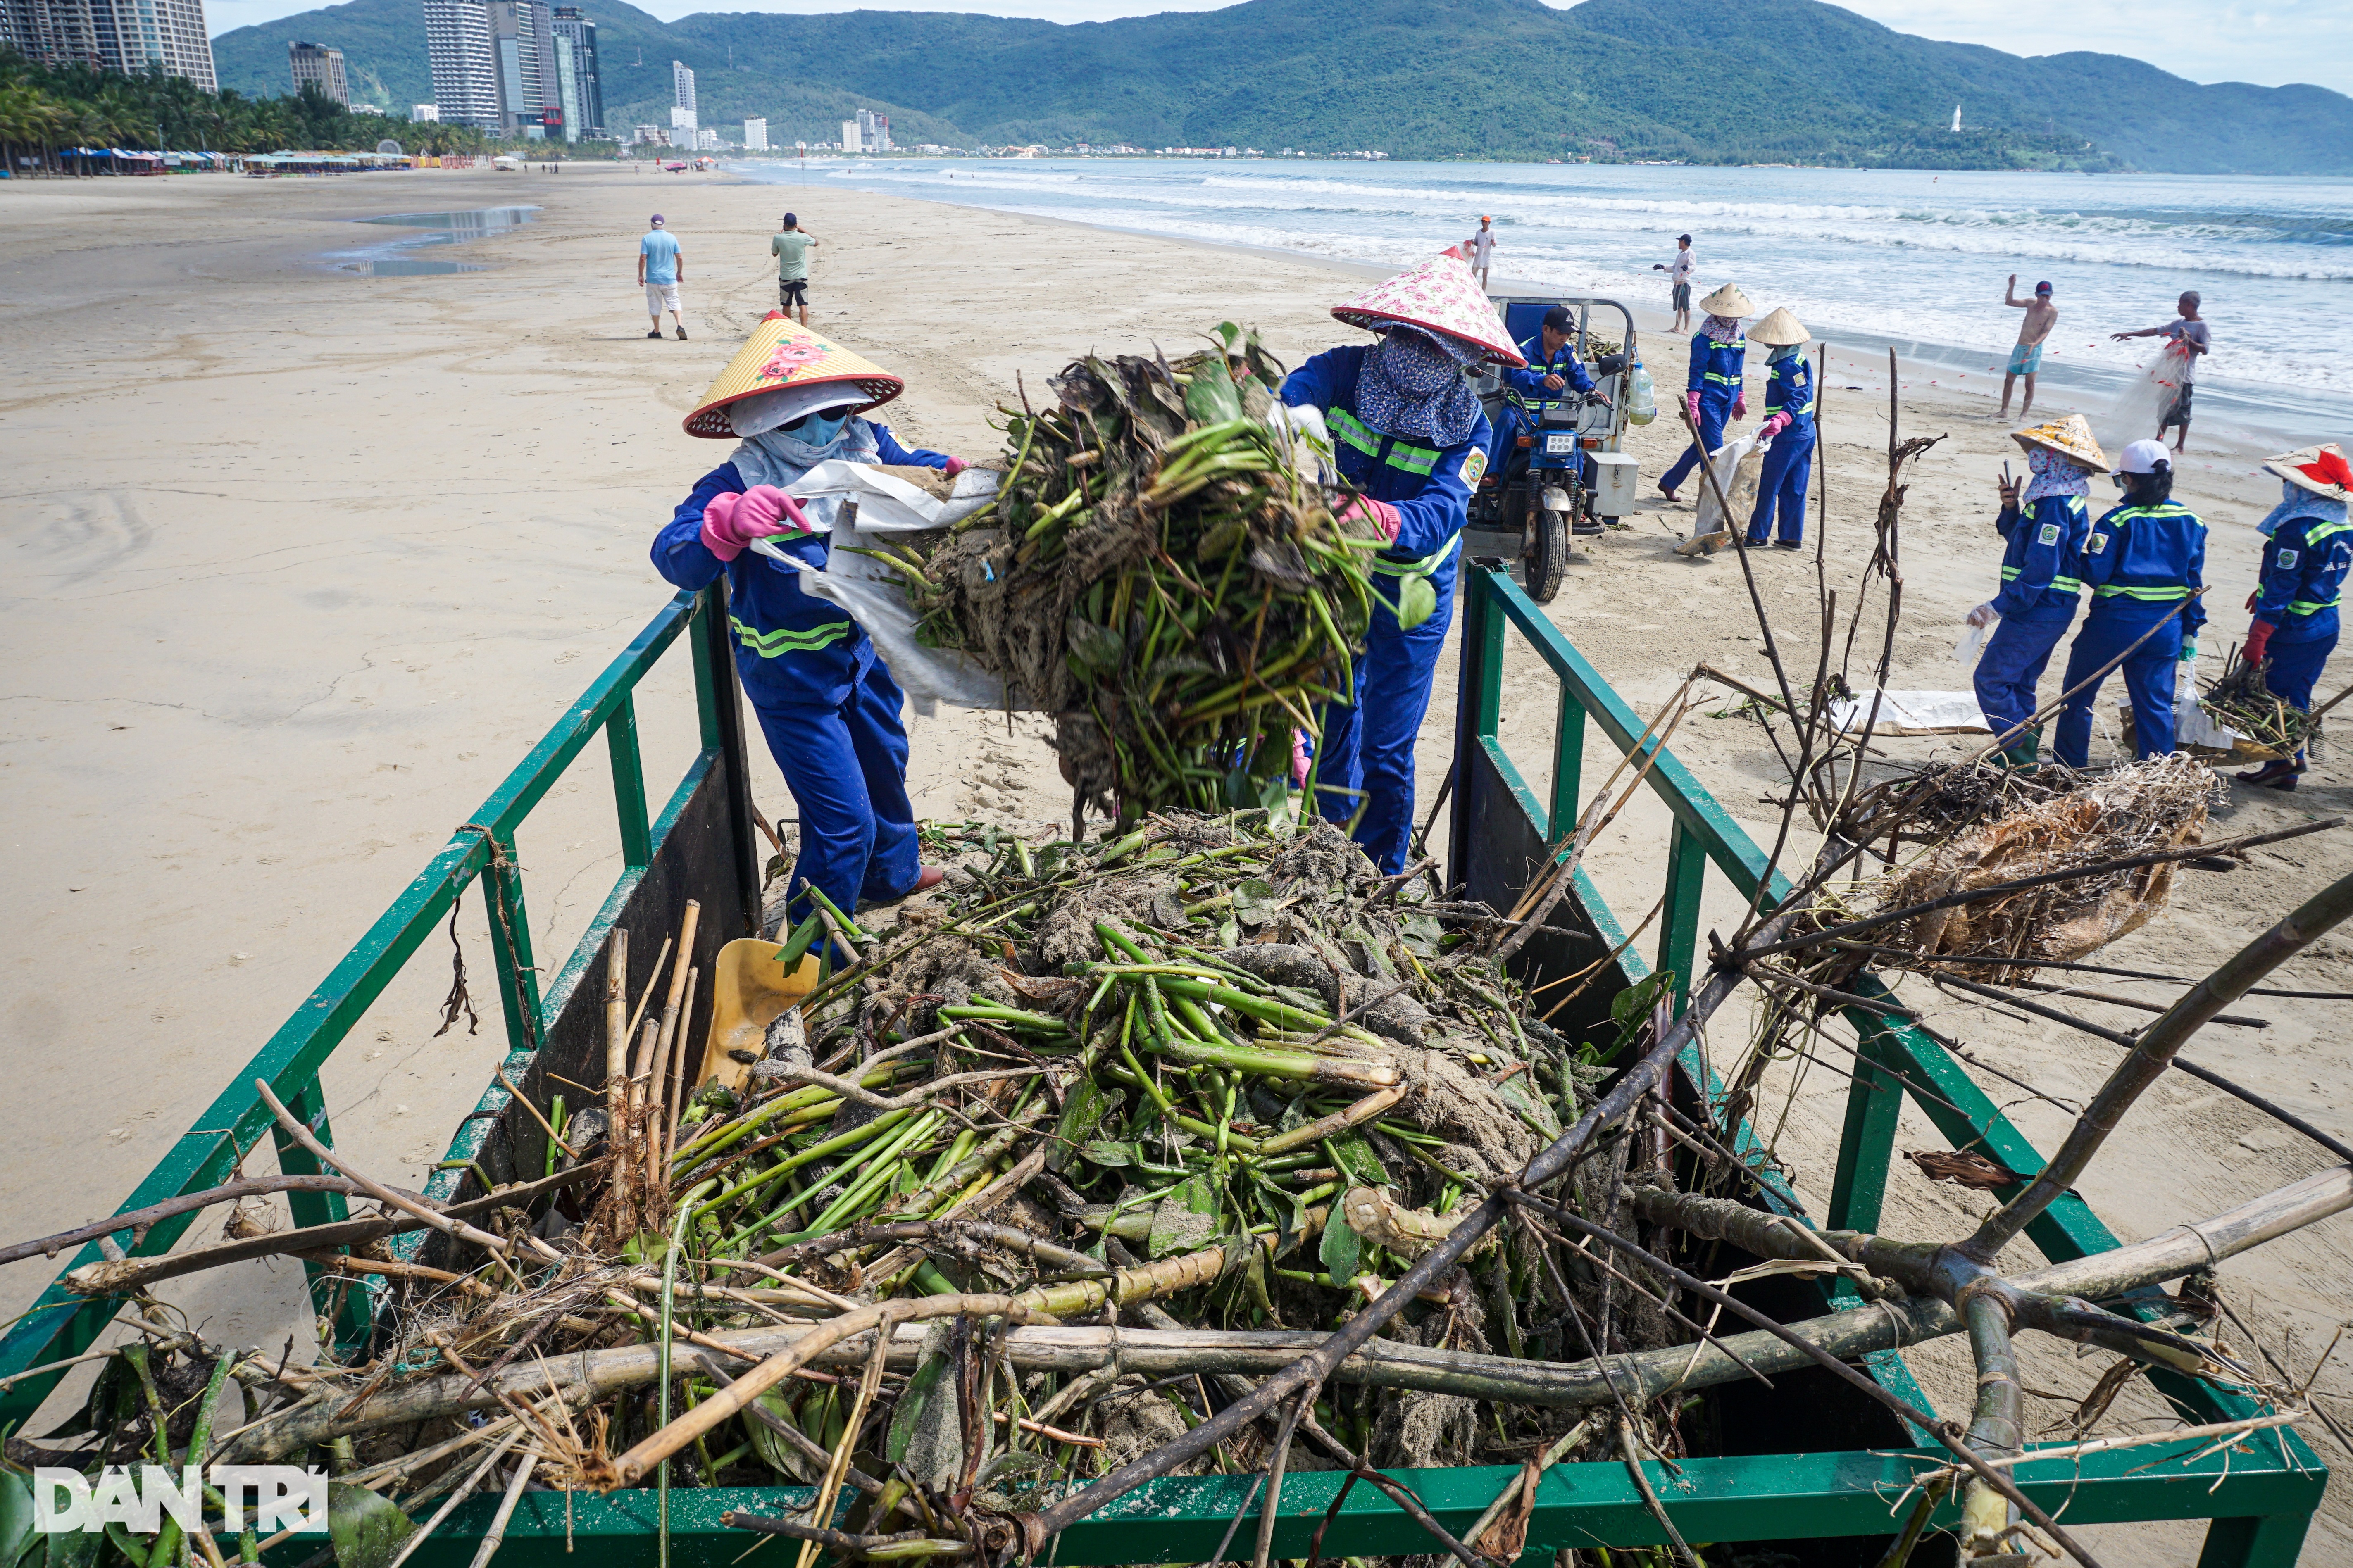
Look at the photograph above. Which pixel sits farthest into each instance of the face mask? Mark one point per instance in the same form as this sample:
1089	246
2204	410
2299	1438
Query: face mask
818	429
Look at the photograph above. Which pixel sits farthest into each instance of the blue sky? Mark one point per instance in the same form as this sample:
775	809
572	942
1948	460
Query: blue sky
2270	43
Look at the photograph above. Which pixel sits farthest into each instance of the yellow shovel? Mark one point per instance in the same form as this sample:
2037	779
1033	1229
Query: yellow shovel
749	991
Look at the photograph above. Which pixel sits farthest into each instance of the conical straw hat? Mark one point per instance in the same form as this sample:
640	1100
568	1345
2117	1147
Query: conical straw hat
1730	301
2070	437
1439	296
1779	329
2321	469
781	353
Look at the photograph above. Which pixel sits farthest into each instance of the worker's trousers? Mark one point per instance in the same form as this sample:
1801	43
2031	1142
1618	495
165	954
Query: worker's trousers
847	769
1713	413
2109	630
1788	469
1365	760
2295	666
2010	671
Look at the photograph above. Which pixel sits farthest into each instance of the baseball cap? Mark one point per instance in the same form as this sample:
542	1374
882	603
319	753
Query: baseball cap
1683	239
657	220
2042	288
791	219
2144	458
1560	318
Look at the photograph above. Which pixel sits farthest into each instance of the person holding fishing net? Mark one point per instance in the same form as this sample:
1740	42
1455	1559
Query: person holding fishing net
2044	521
2146	561
1715	392
1410	442
2307	548
791	400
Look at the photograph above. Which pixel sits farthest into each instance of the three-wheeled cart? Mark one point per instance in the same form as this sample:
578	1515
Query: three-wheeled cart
1557	470
1800	1472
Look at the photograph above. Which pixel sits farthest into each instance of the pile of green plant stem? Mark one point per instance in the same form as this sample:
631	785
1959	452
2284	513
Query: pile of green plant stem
2242	700
1158	574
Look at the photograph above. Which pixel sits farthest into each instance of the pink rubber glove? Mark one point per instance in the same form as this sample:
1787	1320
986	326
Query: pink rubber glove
2259	637
953	467
1379	514
1299	758
1772	426
730	522
1740	406
1691	402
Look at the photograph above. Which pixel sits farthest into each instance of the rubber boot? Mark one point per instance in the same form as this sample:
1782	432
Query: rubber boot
2279	774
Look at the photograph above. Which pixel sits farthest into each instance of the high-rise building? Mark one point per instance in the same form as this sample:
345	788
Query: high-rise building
682	87
127	36
588	113
756	135
870	132
317	63
424	113
849	140
522	49
465	71
706	140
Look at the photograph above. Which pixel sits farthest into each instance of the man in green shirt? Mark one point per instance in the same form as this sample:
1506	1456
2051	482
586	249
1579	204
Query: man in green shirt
791	250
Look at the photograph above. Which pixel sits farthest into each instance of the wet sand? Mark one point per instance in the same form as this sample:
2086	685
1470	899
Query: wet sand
305	561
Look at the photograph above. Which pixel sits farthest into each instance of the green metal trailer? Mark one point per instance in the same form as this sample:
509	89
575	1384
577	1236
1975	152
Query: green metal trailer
1806	1469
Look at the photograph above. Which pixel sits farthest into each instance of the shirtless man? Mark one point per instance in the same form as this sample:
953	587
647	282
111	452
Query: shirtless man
2026	358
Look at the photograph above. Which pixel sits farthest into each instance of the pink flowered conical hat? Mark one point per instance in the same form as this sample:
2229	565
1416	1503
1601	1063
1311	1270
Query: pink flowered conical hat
1439	296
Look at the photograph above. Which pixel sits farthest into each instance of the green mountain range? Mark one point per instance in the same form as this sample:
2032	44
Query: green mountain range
1708	80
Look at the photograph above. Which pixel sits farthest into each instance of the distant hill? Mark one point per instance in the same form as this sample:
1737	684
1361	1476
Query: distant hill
1710	81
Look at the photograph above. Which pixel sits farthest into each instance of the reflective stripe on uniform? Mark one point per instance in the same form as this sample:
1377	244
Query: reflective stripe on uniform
1403	454
2164	595
2064	585
1424	567
2310	606
785	640
2312	537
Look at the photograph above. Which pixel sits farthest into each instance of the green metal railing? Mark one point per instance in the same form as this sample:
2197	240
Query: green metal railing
62	1324
2261	1501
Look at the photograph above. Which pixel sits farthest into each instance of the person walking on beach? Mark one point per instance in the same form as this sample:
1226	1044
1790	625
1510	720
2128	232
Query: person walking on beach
2191	339
1789	426
1482	250
791	250
1715	392
2146	563
2307	550
662	267
2045	520
2026	356
1680	273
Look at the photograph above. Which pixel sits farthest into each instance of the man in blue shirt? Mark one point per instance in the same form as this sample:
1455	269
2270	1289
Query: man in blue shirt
661	269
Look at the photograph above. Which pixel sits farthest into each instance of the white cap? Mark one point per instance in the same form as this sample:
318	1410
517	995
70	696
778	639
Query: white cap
2144	458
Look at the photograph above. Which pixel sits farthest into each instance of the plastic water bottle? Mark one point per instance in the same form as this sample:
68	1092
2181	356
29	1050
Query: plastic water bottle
1641	407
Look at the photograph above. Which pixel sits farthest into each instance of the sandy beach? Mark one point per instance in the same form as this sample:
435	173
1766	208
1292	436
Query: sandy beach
304	562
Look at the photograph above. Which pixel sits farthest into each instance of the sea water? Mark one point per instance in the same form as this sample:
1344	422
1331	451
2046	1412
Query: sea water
1867	258
391	259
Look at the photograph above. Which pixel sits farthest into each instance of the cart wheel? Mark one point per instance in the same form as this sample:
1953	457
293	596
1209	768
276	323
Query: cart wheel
1546	558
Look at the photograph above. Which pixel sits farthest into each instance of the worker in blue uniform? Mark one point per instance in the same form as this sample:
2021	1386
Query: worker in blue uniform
2044	521
2145	564
2307	549
1552	371
1410	444
1714	390
826	703
1788	464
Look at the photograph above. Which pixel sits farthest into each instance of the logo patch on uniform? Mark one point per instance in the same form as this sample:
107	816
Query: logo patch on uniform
2099	543
2286	559
1473	466
2050	534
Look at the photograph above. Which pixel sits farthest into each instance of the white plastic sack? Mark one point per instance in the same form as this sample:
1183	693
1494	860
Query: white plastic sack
1911	713
1726	466
887	504
1971	644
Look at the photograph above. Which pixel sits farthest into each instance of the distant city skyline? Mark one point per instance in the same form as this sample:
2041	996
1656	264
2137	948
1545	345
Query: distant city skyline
2271	44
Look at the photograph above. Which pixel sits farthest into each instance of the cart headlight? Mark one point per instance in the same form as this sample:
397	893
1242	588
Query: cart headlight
1556	446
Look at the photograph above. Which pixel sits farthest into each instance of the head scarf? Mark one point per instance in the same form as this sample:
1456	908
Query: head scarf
2055	474
1721	329
778	458
1781	352
2296	501
1412	386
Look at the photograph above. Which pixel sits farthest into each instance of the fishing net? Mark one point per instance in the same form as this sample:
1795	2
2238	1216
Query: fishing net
2148	395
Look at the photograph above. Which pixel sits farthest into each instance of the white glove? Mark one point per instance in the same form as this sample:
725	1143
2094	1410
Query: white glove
1311	442
1983	615
2190	653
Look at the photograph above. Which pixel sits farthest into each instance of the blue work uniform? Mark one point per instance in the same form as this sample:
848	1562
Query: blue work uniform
1530	385
1365	754
1789	464
826	703
2042	559
2141	561
2304	562
1715	374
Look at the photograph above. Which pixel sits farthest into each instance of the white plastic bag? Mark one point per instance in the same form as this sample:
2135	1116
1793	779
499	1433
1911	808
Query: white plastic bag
1971	644
1726	467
